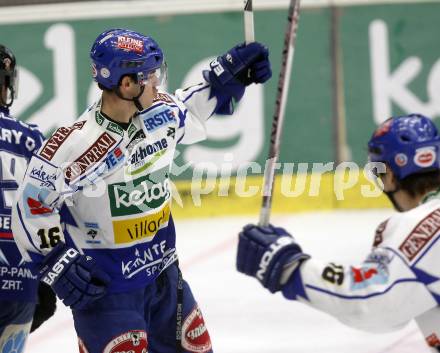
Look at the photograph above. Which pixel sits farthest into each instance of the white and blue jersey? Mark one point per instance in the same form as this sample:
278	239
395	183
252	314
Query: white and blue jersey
105	190
18	142
398	281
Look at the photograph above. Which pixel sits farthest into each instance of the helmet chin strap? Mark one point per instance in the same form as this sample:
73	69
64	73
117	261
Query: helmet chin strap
135	100
392	198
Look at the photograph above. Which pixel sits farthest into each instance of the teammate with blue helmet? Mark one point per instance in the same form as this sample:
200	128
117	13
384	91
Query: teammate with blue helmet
99	227
410	146
398	280
24	305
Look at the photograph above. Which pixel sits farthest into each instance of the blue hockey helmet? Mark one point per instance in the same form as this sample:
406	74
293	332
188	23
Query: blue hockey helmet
409	144
118	52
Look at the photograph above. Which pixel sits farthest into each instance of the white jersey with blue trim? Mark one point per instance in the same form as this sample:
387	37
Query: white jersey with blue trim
398	281
106	191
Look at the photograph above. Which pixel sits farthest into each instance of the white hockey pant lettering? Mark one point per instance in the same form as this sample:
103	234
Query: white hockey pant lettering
270	253
58	267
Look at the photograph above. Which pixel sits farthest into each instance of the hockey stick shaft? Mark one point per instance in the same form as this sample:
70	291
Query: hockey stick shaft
280	108
249	33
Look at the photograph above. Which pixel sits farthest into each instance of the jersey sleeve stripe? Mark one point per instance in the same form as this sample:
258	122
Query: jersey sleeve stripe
370	295
197	90
25	229
44	160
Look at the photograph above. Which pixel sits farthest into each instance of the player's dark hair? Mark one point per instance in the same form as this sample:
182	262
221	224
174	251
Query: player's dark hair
421	183
103	88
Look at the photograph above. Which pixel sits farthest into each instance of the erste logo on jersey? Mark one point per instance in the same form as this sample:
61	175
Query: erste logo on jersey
114	159
195	336
421	235
425	156
156	118
92	155
54	143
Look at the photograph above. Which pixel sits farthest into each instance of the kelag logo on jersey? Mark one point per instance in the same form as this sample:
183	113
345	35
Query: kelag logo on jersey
145	155
139	195
157	118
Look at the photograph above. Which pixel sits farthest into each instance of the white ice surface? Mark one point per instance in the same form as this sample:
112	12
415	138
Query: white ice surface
241	316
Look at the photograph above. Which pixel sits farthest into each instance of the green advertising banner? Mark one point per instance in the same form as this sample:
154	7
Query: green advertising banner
56	84
389	65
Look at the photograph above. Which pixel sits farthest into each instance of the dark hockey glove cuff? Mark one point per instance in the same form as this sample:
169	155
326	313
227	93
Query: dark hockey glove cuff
264	253
46	306
224	86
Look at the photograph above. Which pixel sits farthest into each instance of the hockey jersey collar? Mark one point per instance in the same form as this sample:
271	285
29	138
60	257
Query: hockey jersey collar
111	125
431	196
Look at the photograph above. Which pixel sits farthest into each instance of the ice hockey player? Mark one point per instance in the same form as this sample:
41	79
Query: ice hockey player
18	285
98	226
400	278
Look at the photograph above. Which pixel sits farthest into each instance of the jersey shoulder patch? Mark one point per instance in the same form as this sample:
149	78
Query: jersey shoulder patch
378	236
164	98
426	229
59	137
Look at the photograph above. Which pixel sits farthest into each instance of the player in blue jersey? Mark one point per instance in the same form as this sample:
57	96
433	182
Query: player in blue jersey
18	285
98	225
399	280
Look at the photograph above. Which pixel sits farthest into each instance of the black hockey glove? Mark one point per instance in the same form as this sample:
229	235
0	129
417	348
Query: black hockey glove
264	252
75	278
231	72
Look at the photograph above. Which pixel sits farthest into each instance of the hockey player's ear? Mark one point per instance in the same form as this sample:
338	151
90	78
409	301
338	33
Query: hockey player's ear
389	179
126	82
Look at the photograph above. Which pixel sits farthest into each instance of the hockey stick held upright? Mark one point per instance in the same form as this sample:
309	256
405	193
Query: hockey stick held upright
280	108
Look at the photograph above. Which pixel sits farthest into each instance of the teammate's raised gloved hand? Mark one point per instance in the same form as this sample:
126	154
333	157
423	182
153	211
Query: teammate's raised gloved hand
239	67
264	252
74	277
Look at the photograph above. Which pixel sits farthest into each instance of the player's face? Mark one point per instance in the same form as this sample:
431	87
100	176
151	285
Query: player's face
150	91
388	180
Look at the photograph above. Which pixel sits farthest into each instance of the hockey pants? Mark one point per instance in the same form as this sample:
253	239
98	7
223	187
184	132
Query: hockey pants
144	320
15	323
